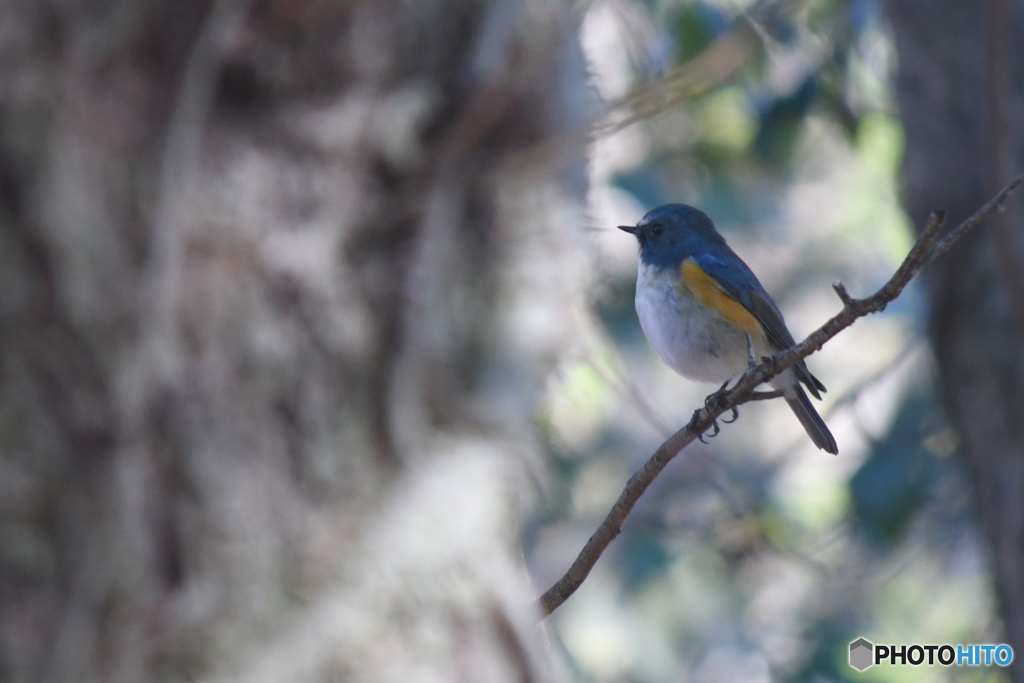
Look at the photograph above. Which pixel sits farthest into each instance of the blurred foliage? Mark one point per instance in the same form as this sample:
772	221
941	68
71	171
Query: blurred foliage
894	482
757	557
692	26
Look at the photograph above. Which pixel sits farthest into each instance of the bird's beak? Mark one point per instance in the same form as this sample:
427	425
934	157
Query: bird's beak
631	229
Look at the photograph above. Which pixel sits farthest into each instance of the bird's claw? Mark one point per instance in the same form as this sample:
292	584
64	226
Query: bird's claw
711	403
735	415
715	400
713	434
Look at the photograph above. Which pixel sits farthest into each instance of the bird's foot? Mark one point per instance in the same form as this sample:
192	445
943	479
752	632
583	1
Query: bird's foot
712	403
715	430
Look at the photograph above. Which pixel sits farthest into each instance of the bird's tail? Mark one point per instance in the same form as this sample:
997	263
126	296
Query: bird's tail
815	427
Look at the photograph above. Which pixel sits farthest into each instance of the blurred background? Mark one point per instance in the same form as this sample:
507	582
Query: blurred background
318	357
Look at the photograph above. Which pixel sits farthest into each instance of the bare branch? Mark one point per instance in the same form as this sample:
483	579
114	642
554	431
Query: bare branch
993	205
925	250
843	294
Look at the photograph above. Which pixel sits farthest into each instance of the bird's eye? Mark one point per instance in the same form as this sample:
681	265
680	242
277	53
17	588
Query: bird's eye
657	229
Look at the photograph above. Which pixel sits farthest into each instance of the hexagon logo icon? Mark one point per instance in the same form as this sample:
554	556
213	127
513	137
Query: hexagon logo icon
860	654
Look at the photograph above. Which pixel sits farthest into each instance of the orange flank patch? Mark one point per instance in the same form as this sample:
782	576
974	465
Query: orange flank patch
711	294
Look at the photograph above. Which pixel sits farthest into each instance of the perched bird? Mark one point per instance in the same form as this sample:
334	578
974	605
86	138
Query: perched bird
699	303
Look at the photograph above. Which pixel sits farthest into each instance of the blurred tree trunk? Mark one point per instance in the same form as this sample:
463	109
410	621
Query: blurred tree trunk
960	85
279	282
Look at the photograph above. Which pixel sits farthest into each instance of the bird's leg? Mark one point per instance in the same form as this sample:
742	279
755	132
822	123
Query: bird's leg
715	400
751	358
751	364
710	404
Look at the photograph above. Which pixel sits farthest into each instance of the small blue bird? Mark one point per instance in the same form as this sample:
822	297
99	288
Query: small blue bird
698	302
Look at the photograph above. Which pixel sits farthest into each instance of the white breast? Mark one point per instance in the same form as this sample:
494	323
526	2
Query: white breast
694	341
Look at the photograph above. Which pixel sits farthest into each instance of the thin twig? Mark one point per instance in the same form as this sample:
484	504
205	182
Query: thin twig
924	251
994	204
841	291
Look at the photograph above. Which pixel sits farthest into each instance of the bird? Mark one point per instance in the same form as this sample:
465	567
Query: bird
707	315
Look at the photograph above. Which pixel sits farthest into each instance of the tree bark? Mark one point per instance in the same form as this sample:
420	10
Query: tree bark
279	284
959	87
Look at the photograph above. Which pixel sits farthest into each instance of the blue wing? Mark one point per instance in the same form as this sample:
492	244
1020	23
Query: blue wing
740	283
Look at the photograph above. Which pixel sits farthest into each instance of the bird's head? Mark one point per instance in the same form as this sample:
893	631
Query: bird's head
670	233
